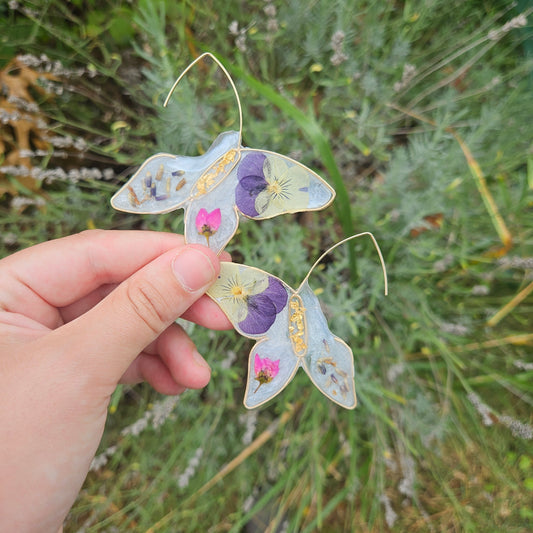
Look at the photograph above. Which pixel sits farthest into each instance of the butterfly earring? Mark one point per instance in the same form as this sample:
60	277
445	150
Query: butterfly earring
216	186
291	332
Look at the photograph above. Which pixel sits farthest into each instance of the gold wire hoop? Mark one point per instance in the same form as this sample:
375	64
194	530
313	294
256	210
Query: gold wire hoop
226	73
329	250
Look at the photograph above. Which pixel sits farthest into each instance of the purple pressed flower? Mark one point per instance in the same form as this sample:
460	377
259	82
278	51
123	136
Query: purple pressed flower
269	184
261	315
251	182
148	180
264	307
251	298
276	293
150	185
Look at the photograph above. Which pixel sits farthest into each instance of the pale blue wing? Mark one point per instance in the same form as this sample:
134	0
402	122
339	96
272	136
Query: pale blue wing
257	305
274	354
165	182
269	184
328	360
214	192
160	185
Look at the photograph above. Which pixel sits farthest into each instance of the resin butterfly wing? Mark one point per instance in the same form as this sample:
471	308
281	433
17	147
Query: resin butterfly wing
259	184
253	300
165	182
211	188
256	304
328	360
200	185
270	184
214	186
291	331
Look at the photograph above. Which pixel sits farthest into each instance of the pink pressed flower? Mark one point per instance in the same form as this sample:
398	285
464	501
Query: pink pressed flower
265	370
207	224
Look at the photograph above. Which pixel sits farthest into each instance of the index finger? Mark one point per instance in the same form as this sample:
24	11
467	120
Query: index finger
38	280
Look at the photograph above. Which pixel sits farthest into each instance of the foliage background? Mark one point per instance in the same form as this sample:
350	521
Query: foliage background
419	113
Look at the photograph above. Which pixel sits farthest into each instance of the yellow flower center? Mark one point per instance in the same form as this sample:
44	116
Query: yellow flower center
274	187
237	291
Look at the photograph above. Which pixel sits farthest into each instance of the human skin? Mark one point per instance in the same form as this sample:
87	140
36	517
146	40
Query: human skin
79	315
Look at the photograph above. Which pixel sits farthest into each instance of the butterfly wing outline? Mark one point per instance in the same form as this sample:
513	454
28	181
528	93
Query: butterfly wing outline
269	184
256	304
228	178
257	183
328	360
225	180
149	183
165	182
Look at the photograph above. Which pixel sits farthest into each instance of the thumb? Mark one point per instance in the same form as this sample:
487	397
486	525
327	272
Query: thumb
114	332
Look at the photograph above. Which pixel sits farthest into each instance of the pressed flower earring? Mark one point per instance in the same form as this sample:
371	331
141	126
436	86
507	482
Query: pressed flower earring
257	183
291	332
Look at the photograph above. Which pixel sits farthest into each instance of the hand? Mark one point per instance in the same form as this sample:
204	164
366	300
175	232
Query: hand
77	316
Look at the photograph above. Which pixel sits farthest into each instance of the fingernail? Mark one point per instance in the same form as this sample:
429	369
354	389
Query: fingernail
193	269
199	360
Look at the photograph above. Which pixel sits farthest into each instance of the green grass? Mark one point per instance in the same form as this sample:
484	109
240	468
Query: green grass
424	128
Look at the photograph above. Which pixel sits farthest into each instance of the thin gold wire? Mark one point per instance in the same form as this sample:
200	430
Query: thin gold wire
226	73
342	242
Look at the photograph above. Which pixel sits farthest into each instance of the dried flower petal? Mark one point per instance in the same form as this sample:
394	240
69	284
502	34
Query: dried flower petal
264	307
207	224
265	370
